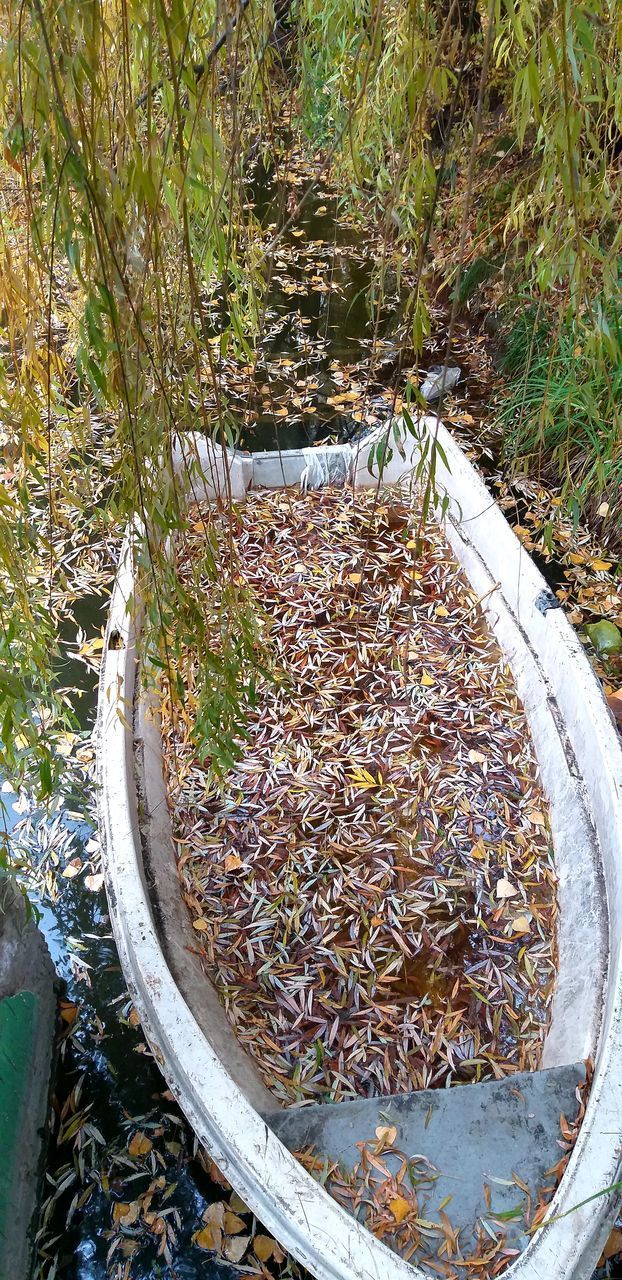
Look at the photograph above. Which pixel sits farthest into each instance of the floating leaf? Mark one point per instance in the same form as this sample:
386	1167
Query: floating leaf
139	1144
263	1247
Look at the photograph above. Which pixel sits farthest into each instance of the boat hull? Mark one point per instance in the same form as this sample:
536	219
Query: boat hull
580	764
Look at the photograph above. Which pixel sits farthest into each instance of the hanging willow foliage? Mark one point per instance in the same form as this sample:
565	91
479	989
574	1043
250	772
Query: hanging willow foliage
127	128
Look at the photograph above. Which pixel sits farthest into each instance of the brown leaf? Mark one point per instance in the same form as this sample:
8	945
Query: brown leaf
613	1245
235	1247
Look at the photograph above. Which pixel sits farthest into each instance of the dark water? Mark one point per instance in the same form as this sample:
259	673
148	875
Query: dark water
320	334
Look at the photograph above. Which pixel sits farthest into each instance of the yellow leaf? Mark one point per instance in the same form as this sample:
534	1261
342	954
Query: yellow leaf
206	1238
233	862
600	565
72	869
130	1214
355	578
521	925
233	1223
263	1247
427	680
399	1207
441	611
200	925
139	1144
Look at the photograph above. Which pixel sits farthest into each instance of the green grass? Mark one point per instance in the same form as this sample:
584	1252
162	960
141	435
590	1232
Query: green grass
562	412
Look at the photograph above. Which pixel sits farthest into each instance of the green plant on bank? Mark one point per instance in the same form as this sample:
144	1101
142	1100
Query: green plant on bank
563	413
130	263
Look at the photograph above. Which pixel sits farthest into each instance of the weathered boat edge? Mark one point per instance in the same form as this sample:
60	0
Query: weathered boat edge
321	1235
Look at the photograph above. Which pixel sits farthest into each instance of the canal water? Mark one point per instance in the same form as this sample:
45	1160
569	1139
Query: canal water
329	358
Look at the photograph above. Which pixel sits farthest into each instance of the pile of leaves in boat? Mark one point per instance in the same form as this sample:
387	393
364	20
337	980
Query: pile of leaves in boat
372	888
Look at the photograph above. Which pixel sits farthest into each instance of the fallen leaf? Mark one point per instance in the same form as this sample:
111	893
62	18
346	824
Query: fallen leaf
200	925
233	1223
600	565
614	702
613	1245
131	1214
214	1214
386	1134
427	680
68	1012
476	757
521	925
139	1144
207	1238
94	883
235	1247
537	818
399	1207
263	1247
505	889
72	869
355	578
233	862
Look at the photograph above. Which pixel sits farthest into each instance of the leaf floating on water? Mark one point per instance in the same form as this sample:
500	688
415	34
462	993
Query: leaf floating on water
263	1247
233	1223
235	1247
139	1144
208	1238
72	869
